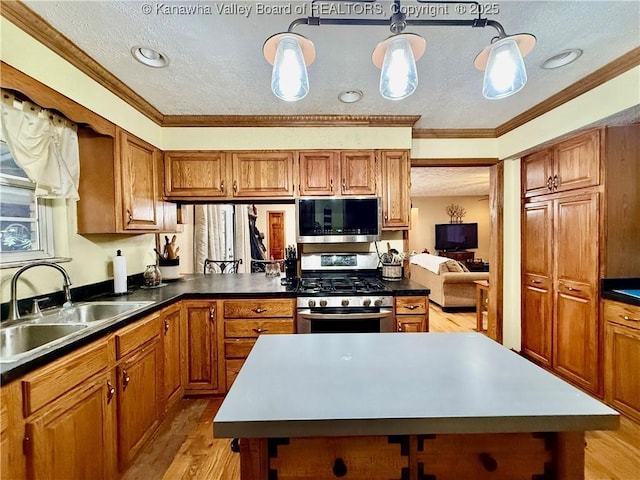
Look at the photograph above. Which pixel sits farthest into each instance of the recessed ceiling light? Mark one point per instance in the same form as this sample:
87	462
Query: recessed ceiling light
150	57
350	96
563	58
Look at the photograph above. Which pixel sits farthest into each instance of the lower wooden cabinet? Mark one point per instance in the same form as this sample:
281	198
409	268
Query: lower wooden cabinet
412	314
622	357
72	437
171	347
200	373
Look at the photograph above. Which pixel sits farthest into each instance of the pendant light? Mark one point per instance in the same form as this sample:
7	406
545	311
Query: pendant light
503	65
289	53
397	56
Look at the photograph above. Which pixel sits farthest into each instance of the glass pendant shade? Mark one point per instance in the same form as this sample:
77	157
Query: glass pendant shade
398	78
289	80
505	73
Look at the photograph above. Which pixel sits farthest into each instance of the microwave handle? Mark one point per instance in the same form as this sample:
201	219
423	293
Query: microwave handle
350	316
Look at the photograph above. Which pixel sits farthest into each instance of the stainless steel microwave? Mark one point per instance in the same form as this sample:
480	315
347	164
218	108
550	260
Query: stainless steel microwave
338	219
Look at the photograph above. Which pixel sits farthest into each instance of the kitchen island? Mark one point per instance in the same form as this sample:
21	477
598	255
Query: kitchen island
435	406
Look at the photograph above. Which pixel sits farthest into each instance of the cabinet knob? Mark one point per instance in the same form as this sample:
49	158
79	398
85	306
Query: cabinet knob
235	186
411	307
129	216
331	184
222	187
339	468
166	327
259	310
488	462
344	184
125	379
111	391
260	330
212	313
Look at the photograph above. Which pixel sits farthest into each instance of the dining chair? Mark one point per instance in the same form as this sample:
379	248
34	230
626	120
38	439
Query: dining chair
221	266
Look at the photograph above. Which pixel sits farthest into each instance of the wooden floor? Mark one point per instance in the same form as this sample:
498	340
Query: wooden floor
185	448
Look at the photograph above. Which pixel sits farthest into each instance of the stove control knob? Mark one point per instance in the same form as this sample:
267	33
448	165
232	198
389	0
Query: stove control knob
378	302
345	302
366	302
323	303
312	303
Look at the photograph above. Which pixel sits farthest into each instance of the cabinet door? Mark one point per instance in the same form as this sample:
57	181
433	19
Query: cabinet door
138	181
537	173
197	174
396	189
622	377
319	173
358	172
537	292
576	345
139	398
172	362
410	323
73	437
577	162
199	370
262	174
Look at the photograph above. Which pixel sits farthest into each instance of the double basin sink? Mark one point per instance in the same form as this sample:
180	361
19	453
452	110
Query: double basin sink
29	335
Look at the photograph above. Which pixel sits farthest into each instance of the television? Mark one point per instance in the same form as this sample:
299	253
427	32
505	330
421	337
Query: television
456	236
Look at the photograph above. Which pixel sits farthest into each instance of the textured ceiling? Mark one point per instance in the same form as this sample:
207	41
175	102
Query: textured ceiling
217	67
449	181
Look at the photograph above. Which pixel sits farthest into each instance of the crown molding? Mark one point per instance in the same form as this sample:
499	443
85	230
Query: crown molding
453	162
608	72
289	120
34	25
453	133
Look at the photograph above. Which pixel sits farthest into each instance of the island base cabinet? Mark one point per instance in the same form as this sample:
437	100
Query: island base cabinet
73	437
551	455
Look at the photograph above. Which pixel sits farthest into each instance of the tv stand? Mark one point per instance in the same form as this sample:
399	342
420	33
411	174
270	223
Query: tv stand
463	256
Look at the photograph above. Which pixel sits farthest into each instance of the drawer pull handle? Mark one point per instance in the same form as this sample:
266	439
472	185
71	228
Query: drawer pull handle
411	307
125	379
260	330
212	313
549	184
488	462
339	468
259	310
628	318
129	216
535	281
166	327
571	289
111	391
555	181
222	187
235	186
331	184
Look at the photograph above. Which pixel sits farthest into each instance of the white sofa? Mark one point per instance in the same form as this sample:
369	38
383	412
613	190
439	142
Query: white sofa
450	282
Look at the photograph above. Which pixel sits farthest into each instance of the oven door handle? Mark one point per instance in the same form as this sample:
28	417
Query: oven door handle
350	316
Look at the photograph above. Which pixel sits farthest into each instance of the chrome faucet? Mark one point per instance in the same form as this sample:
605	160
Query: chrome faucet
14	314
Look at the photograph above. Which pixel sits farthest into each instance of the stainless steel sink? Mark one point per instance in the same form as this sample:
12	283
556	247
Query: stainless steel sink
29	334
90	312
21	339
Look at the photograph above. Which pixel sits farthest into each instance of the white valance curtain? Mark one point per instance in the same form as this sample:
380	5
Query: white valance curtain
210	236
44	145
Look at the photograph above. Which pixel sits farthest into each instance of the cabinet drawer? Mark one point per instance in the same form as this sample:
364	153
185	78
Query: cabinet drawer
130	338
238	347
575	289
50	382
411	305
233	367
372	458
622	313
253	328
266	308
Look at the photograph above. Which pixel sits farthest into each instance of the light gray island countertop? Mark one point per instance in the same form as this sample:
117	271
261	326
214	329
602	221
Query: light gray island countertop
398	384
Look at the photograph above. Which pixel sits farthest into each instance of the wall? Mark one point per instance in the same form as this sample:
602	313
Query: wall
428	211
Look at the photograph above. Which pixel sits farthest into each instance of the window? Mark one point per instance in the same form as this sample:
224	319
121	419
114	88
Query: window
26	222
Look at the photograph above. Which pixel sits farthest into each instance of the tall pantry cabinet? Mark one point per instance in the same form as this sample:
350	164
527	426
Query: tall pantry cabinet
575	208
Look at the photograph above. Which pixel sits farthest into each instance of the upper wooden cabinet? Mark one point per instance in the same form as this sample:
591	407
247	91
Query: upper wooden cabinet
120	178
574	163
332	172
196	174
219	175
395	171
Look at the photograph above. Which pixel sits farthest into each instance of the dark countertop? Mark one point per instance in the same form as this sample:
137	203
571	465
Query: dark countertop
610	290
242	285
358	384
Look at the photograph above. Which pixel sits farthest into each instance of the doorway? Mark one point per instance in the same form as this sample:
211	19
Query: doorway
275	231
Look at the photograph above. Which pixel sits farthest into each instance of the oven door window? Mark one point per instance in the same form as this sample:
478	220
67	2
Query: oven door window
337	320
345	326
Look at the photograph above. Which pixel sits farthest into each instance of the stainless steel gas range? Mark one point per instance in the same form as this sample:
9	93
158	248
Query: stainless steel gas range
341	293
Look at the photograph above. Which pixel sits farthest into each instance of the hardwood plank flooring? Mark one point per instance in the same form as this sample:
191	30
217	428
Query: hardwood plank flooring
185	448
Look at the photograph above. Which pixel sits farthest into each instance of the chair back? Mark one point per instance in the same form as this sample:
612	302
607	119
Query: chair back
260	265
221	266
